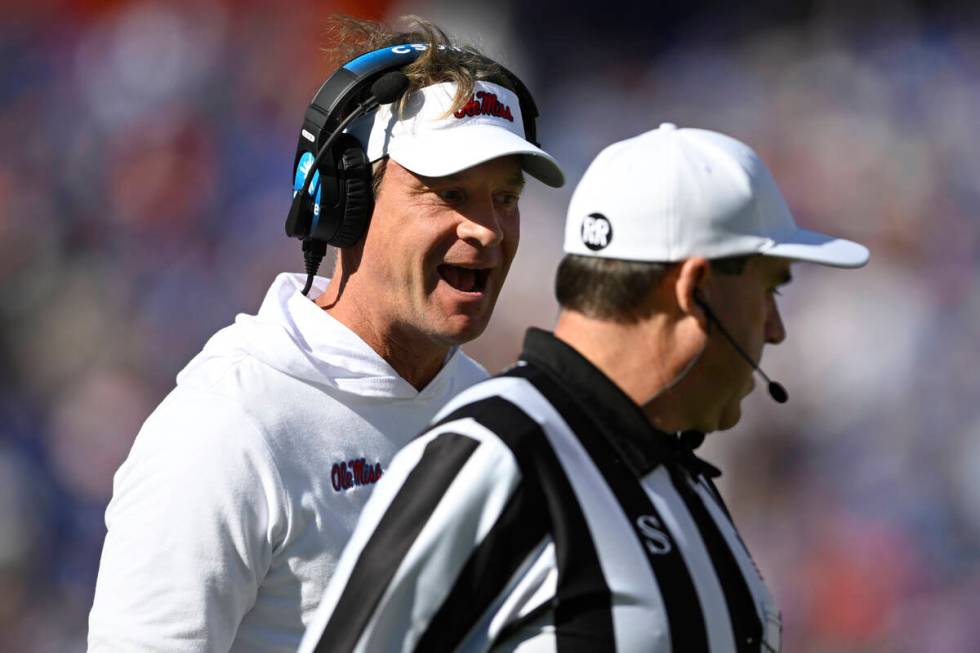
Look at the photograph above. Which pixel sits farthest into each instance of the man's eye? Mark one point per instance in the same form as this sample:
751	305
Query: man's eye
451	196
508	200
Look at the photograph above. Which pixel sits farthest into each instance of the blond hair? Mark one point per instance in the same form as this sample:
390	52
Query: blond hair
444	60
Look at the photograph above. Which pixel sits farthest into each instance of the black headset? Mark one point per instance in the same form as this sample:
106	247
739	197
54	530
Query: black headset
332	195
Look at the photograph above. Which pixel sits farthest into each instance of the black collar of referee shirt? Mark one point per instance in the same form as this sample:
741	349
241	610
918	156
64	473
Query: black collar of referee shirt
619	418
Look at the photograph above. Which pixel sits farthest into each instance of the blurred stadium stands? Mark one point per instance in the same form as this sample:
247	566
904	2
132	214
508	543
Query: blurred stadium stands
145	175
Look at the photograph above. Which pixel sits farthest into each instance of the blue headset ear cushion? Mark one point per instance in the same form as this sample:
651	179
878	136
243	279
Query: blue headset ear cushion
355	177
301	210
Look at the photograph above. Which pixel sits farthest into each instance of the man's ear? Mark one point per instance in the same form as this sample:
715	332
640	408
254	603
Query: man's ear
691	279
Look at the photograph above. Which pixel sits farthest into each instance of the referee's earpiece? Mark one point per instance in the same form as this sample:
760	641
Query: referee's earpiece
776	390
699	300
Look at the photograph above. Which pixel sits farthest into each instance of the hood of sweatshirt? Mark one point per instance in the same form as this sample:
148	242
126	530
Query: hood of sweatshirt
294	336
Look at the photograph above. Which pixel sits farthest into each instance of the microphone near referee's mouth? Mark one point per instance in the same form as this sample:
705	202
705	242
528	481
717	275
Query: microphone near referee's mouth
775	389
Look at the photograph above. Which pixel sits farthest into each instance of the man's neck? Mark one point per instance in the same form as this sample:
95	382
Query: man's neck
643	359
415	358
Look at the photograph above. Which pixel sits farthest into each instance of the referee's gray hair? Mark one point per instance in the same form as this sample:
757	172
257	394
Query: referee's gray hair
617	290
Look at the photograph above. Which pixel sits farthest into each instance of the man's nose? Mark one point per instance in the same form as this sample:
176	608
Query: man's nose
481	222
775	329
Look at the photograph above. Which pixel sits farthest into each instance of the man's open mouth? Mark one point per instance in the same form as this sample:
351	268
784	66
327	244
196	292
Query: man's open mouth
465	279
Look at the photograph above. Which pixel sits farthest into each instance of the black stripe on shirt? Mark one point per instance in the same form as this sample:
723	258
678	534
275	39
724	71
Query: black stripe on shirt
401	524
685	617
744	616
519	529
583	604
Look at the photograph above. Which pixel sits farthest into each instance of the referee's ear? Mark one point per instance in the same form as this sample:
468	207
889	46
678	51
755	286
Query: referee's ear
691	277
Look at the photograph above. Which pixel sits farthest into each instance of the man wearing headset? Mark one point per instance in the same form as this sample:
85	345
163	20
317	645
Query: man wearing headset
560	506
243	486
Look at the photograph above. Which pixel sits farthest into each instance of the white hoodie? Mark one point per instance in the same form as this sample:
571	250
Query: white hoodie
243	486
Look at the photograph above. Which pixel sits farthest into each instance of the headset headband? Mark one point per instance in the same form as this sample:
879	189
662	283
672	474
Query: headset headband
351	82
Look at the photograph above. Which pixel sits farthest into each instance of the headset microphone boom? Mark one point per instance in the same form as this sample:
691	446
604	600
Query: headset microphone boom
776	390
388	88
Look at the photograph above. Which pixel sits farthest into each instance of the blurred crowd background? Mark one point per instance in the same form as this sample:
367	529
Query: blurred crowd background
145	154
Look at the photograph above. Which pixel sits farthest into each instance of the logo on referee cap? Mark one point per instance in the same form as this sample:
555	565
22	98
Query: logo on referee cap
596	231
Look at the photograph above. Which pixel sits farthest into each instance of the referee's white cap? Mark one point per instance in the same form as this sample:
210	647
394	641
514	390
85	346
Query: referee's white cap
670	194
427	137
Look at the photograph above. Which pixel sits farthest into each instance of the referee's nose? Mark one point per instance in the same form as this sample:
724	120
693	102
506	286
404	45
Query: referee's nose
775	329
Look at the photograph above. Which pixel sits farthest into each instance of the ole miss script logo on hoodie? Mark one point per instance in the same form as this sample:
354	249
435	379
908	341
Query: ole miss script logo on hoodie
354	473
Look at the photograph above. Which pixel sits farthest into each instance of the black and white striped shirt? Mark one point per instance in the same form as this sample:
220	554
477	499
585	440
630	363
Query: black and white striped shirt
544	513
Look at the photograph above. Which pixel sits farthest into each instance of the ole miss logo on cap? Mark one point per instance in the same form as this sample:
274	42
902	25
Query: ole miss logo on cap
486	104
596	231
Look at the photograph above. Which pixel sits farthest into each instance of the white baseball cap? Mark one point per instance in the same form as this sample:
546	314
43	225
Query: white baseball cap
670	194
429	139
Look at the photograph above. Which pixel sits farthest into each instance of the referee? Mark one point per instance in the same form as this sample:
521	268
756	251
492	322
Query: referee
559	506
